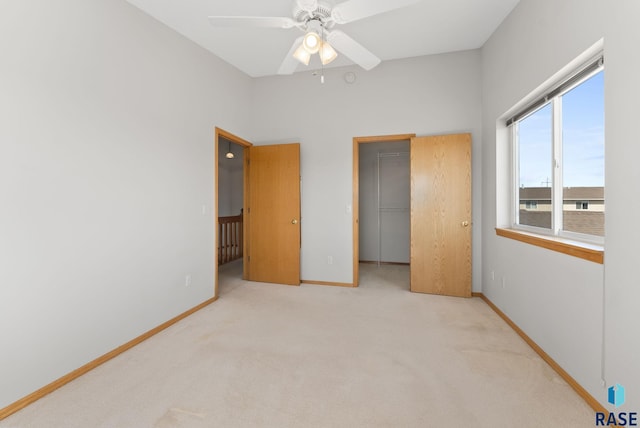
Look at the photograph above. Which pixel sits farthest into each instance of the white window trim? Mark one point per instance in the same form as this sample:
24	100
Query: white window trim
557	197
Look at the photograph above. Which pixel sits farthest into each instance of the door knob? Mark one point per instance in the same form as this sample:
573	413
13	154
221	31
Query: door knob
465	223
294	221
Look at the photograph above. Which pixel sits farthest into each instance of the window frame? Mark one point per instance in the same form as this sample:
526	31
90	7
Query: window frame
552	97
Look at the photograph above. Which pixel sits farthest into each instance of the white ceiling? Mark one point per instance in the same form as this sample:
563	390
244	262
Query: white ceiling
428	27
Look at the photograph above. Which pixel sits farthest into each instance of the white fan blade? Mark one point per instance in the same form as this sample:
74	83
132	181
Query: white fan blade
252	21
352	50
290	63
307	5
352	10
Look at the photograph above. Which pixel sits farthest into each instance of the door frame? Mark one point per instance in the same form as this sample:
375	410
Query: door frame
396	138
219	132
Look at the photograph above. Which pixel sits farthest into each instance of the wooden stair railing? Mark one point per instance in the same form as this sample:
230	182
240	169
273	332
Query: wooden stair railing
229	238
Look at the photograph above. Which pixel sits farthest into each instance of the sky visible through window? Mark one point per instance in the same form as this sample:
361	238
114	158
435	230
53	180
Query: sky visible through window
582	135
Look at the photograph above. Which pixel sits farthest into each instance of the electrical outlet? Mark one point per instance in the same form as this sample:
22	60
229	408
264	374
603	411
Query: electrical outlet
187	280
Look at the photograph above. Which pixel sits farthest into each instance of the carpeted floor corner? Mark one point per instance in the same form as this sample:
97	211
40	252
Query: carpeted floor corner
267	355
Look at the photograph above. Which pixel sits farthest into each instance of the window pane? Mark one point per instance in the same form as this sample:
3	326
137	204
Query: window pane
583	157
535	174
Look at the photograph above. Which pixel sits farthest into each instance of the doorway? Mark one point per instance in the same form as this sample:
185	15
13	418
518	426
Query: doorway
384	224
440	212
388	141
230	200
384	203
269	234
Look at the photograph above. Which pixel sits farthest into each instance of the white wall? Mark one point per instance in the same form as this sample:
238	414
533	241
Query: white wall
622	105
558	299
437	94
106	159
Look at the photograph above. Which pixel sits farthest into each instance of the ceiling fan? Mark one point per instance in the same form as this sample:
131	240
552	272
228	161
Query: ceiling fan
317	19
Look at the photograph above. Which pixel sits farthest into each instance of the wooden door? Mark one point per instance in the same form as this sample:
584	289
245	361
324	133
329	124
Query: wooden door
273	214
441	215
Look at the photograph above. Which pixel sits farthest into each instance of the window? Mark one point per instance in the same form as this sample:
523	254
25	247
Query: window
558	145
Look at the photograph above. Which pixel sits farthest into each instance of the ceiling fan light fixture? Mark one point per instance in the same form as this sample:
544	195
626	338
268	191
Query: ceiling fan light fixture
302	55
327	53
311	42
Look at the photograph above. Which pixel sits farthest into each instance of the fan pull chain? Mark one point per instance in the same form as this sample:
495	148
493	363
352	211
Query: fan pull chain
321	53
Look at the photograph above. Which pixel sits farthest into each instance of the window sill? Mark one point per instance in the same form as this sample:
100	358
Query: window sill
590	252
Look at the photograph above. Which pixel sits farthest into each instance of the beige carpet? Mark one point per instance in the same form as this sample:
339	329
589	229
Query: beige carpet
268	355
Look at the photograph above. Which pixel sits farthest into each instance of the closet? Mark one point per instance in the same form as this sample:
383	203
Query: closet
437	216
384	203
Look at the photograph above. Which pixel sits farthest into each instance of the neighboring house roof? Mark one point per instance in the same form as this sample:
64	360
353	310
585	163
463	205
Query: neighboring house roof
584	193
535	193
570	193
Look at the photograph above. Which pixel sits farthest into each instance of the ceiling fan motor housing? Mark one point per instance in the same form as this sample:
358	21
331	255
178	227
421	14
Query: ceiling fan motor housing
322	13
